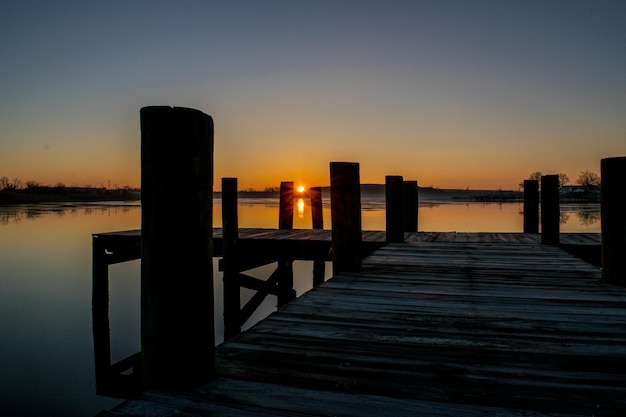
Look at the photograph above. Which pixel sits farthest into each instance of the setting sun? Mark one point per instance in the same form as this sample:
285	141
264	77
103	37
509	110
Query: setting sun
300	188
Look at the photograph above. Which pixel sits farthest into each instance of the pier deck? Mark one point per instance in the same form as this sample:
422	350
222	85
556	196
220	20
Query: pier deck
443	325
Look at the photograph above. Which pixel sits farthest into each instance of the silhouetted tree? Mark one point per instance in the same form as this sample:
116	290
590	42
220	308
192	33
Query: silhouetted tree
563	179
588	179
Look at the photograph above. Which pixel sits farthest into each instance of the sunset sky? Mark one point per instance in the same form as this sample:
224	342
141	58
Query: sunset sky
449	93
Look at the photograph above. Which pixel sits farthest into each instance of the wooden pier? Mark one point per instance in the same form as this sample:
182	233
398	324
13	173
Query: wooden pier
432	324
442	324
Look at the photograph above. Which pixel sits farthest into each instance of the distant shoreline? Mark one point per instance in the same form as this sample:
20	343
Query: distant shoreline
376	191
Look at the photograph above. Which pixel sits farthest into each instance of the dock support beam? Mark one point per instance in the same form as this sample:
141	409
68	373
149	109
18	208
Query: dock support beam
410	204
394	208
230	230
317	216
345	209
286	292
531	206
550	210
177	330
613	220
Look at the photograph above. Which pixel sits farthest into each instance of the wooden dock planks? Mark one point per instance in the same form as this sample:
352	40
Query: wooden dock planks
429	328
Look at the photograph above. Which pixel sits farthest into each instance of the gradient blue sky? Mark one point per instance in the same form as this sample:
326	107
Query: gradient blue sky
451	93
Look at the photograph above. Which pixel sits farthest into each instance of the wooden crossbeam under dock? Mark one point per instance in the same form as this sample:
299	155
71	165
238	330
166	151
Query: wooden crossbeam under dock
438	327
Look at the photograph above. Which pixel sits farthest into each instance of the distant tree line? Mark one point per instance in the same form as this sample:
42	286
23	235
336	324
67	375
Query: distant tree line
586	179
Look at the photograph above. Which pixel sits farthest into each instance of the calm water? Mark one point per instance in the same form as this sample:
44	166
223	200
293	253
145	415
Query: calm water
46	350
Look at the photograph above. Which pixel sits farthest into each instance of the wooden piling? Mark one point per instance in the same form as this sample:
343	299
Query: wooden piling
319	265
230	230
613	220
100	317
550	210
531	206
285	216
316	207
286	292
345	208
177	330
410	203
394	208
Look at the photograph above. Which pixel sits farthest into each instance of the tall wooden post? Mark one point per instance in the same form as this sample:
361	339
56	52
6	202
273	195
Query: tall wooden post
613	219
285	215
394	208
550	210
345	209
531	206
177	331
100	316
286	292
317	217
230	233
410	205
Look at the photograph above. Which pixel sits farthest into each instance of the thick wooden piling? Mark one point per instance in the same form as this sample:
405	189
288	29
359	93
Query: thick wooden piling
177	330
531	206
394	208
230	230
613	220
286	292
410	204
345	208
550	210
317	217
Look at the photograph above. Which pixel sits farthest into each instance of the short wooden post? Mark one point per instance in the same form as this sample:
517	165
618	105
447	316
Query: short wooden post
285	215
177	331
345	209
410	205
613	219
531	206
319	264
230	236
550	210
394	208
286	292
316	207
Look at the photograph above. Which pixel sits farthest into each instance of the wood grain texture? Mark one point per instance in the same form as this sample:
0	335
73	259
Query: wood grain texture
436	328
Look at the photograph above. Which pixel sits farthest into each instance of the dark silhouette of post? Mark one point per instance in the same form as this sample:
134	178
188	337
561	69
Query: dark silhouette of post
286	292
230	234
550	210
394	208
100	316
410	205
613	219
285	216
531	206
345	210
177	331
317	217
